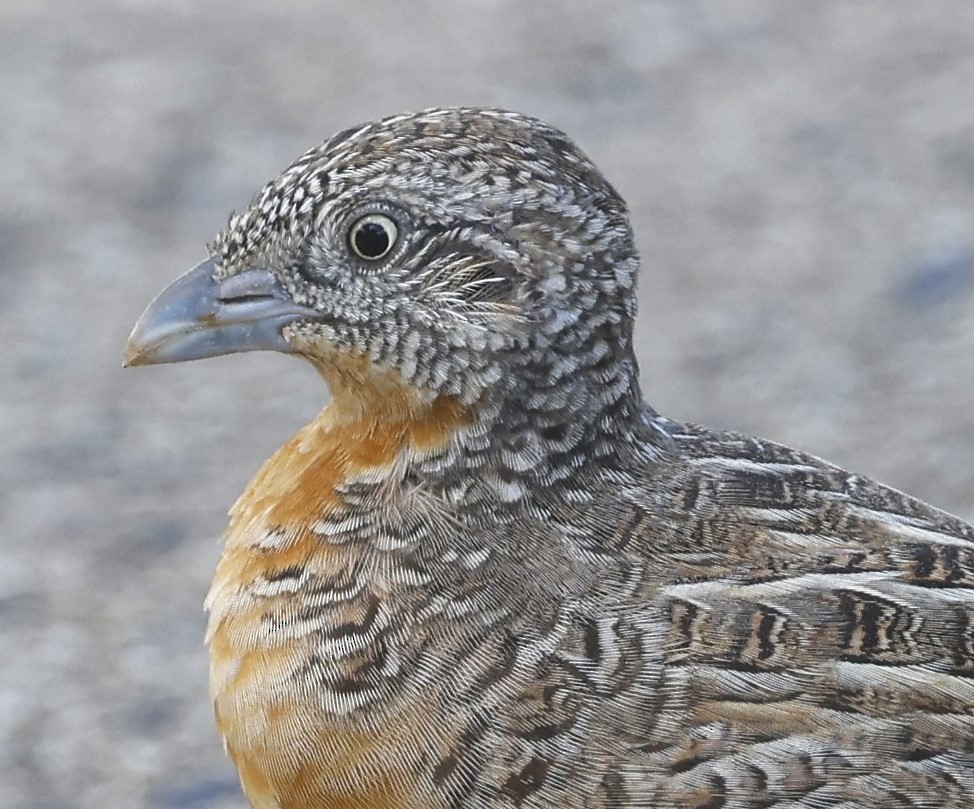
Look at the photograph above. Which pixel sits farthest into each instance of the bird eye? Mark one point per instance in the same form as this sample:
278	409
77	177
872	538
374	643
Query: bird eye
373	236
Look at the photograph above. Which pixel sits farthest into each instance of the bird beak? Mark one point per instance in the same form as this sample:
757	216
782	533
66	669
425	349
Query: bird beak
198	316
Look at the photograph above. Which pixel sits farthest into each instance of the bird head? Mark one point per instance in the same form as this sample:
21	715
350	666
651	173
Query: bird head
451	252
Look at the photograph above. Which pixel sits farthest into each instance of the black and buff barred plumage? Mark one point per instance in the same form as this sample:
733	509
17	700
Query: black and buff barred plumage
489	574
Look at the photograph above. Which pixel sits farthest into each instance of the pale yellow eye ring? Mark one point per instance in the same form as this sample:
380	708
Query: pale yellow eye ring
373	236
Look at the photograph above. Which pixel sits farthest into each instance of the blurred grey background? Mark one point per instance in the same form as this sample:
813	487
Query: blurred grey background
801	178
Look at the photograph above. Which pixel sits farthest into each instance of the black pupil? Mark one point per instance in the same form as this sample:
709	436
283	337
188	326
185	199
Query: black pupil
371	240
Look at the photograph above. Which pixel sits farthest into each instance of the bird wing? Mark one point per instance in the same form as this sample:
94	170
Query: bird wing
819	648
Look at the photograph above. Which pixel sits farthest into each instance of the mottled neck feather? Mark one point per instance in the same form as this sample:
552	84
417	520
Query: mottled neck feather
349	438
372	422
379	429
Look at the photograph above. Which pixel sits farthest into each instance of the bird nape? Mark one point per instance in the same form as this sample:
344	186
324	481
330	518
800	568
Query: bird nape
488	574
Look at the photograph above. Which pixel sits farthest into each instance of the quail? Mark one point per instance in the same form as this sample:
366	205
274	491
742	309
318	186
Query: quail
489	574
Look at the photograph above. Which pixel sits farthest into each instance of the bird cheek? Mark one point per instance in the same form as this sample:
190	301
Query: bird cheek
315	342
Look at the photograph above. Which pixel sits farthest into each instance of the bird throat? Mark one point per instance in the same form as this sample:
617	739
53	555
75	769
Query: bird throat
372	423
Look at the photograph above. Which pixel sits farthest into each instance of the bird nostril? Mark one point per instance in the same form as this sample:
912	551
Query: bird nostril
231	299
248	287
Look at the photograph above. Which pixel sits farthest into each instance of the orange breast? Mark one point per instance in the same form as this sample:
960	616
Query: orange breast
288	751
321	781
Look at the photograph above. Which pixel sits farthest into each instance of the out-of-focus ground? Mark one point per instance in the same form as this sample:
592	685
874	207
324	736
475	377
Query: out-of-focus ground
801	177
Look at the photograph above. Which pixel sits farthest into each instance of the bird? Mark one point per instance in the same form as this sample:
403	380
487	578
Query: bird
489	573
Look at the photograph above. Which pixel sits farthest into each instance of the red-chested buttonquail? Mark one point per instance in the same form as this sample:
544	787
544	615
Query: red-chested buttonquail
489	574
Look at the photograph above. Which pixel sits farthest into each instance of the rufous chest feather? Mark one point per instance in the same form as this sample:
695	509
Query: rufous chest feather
297	618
